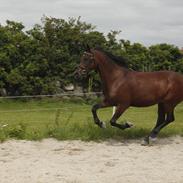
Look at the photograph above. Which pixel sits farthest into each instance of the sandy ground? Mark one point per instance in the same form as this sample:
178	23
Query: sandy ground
51	161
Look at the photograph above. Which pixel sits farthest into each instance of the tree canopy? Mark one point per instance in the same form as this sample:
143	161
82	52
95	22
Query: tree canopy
34	61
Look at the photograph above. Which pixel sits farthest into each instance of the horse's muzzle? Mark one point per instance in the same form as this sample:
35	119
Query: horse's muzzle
80	74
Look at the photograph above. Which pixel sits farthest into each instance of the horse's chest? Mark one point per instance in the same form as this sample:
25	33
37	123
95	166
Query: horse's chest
116	96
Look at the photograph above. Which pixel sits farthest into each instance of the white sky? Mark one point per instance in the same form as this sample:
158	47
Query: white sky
145	21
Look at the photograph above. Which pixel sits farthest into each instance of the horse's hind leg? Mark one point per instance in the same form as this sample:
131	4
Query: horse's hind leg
160	120
169	118
119	111
169	110
163	109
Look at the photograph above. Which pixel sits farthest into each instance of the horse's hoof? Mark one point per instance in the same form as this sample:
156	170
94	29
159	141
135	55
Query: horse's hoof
145	142
148	141
129	125
103	125
152	139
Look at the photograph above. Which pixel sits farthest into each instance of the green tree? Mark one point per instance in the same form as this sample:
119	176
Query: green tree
164	57
33	61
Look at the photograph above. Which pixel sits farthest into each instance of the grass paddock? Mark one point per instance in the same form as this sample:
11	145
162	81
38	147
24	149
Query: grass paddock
71	120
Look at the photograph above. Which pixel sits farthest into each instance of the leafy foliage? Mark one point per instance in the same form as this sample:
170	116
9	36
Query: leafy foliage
34	61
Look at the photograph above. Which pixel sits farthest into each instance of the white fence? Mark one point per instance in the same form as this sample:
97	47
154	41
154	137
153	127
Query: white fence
55	95
48	96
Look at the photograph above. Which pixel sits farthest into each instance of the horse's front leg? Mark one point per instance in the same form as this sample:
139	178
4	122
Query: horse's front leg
94	112
119	111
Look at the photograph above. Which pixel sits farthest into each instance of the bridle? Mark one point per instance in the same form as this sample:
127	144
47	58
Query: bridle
91	55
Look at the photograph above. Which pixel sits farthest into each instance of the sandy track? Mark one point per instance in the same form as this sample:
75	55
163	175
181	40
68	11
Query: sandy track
80	162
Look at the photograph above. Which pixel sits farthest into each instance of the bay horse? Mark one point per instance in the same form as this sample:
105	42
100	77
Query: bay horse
124	88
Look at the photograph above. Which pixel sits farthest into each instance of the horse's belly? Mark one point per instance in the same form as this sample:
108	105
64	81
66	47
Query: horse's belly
144	101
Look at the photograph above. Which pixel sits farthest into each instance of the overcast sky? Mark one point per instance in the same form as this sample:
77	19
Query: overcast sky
145	21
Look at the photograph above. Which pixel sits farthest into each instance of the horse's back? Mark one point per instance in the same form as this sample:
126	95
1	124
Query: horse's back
148	88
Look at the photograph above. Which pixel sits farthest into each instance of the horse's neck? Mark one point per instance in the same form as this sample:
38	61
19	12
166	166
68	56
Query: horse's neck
109	72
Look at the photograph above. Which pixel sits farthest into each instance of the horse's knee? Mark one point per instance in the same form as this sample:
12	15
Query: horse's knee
94	108
170	120
170	117
112	122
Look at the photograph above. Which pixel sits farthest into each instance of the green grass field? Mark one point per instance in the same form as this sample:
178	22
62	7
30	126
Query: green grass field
38	119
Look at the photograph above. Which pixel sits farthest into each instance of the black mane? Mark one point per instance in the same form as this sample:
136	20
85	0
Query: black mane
119	60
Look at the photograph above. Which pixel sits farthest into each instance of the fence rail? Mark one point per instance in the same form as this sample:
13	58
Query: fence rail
47	96
43	109
54	95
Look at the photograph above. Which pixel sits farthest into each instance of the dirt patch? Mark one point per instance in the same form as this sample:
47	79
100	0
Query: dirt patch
89	162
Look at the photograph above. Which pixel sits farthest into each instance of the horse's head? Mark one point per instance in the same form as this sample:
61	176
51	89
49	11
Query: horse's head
87	63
